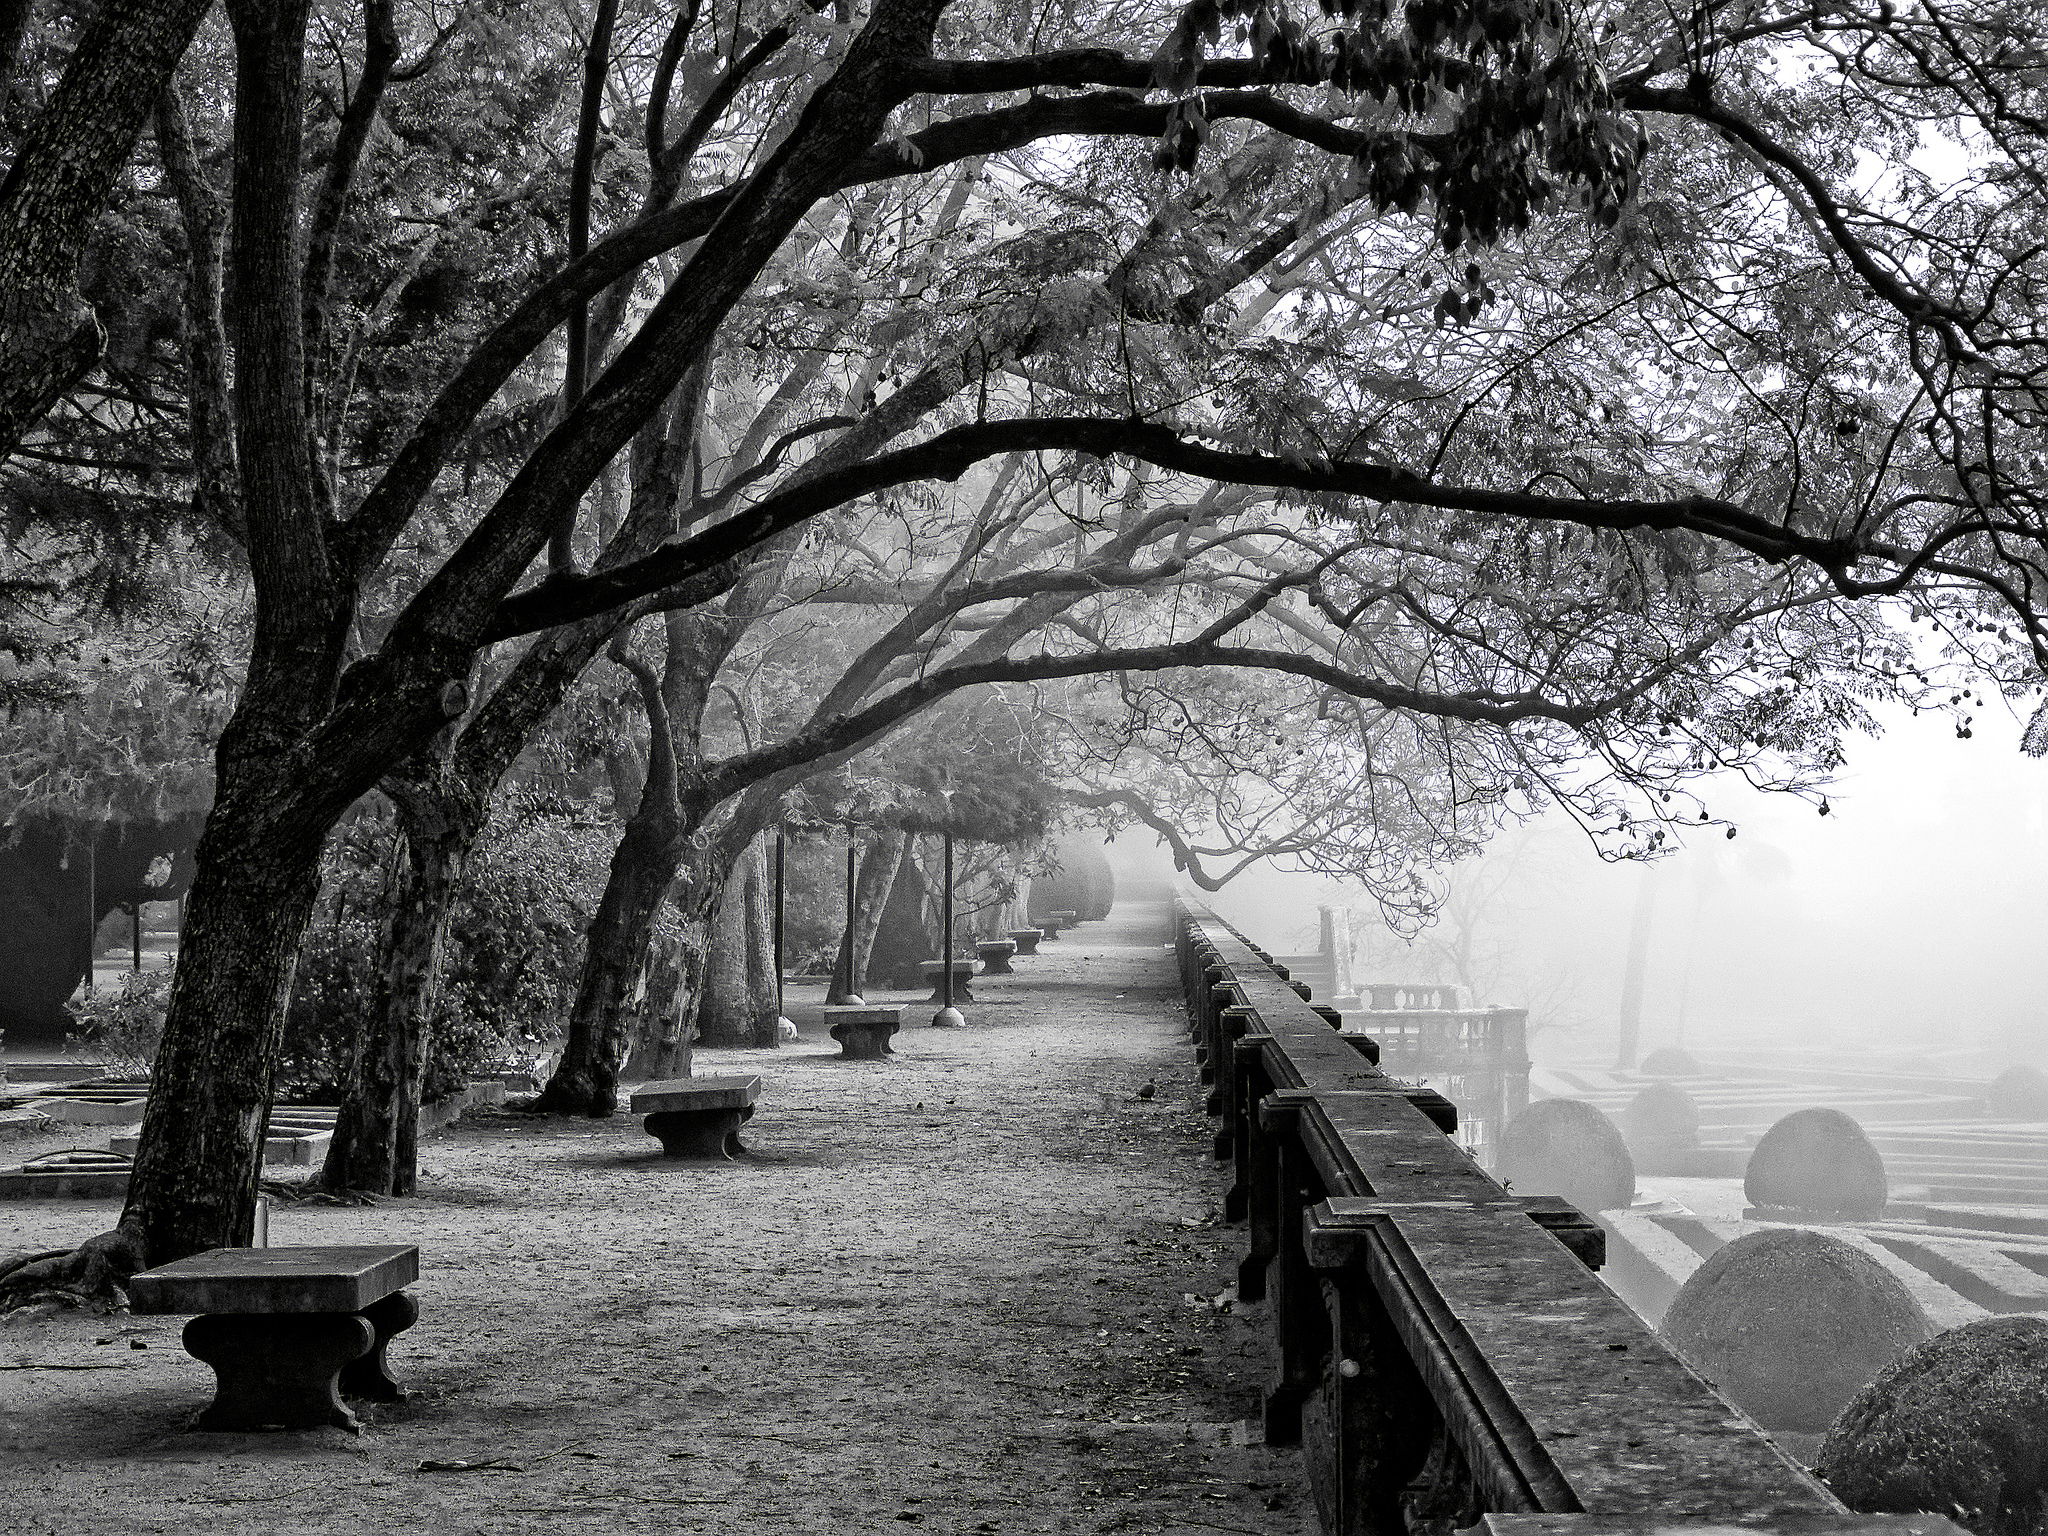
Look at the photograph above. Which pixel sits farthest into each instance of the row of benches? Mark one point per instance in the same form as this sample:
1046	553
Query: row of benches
1444	1352
292	1332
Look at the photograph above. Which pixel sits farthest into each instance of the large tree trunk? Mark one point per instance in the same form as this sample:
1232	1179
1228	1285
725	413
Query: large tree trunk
667	1019
904	933
613	985
376	1134
737	1006
873	888
201	1147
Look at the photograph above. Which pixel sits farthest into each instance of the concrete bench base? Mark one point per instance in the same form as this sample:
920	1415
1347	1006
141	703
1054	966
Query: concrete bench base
995	957
864	1033
934	971
288	1331
1026	939
698	1117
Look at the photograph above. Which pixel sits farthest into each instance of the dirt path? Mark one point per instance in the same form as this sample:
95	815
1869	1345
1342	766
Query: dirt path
966	1291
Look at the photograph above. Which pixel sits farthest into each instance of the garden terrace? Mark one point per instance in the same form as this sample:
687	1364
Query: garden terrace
1442	1350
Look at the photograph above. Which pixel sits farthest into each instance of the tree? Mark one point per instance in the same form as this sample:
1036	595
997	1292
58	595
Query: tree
63	173
1523	123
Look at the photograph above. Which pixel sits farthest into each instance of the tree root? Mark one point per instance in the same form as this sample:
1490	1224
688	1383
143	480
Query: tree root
312	1192
91	1275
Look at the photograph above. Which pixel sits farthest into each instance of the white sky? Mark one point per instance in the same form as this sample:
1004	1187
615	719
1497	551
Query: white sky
1908	918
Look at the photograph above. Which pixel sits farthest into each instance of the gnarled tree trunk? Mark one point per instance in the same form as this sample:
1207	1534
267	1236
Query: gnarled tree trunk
666	1022
737	1001
376	1134
873	888
201	1146
612	989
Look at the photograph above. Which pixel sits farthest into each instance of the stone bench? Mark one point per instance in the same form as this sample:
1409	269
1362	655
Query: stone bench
1049	926
863	1033
995	956
288	1331
698	1116
934	972
1026	939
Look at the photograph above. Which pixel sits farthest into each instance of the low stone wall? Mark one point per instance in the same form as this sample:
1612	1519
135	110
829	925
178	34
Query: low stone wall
1442	1349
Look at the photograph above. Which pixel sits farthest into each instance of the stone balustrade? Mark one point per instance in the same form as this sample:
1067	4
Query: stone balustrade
1442	1350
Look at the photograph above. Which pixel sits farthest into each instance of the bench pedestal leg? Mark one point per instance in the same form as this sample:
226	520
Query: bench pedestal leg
368	1377
864	1042
278	1370
700	1132
962	993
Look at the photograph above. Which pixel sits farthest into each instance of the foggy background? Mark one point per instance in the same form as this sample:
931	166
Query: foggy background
1907	919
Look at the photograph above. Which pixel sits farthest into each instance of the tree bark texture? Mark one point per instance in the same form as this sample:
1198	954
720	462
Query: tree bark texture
376	1134
663	1027
905	932
879	873
738	997
201	1148
612	988
56	189
57	880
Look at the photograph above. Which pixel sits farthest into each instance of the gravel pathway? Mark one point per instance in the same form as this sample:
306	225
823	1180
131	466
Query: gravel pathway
977	1288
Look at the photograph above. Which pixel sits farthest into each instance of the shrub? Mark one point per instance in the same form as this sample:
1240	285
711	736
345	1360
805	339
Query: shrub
1792	1323
1669	1061
121	1027
1956	1427
1817	1160
509	967
1567	1147
2019	1093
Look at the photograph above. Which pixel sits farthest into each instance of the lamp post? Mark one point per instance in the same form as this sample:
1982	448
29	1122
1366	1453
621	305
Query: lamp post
784	1029
948	1017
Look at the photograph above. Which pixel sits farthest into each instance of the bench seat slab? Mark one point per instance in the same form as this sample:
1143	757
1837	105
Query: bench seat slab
696	1093
309	1279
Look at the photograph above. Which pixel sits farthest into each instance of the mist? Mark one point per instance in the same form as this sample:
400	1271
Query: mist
1905	919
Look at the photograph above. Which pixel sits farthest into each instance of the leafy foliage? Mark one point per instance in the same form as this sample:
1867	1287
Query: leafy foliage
514	947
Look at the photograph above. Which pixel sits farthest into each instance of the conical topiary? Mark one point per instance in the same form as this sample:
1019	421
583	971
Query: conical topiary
1791	1324
1817	1161
1959	1425
1567	1147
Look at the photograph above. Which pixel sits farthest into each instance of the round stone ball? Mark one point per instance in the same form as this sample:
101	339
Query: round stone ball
1817	1160
2019	1093
1791	1324
1663	1116
1567	1147
1669	1061
1960	1425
